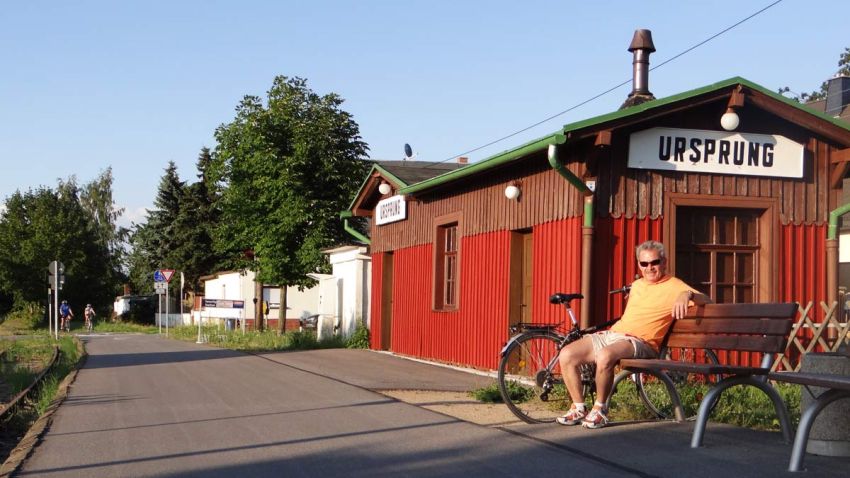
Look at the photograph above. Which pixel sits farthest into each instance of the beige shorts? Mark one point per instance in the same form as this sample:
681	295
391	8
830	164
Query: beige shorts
605	338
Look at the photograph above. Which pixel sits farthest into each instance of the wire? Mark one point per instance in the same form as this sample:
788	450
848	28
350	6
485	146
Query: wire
609	90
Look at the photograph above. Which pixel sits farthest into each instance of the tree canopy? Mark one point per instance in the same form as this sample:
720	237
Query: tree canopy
843	70
284	169
74	225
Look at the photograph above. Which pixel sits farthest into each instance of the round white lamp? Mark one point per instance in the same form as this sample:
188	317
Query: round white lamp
730	120
384	188
512	192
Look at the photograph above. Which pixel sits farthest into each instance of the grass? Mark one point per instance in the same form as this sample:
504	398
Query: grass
32	350
265	341
743	406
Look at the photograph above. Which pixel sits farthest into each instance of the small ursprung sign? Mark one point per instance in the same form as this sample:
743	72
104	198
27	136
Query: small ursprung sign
391	209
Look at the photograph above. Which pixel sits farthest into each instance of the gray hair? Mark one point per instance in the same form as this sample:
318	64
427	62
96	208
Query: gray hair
652	246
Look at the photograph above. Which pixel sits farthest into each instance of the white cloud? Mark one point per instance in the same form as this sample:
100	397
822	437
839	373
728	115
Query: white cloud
137	215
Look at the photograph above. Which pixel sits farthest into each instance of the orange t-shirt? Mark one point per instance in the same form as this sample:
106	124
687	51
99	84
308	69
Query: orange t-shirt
648	312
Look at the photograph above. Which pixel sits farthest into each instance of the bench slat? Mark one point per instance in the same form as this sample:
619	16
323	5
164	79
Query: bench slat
749	343
773	326
779	310
825	380
689	367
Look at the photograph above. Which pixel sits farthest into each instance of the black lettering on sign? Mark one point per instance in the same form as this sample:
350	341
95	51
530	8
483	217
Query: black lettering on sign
695	152
679	152
710	148
767	156
753	154
664	148
723	155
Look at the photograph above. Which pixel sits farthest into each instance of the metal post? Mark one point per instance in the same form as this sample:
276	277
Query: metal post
159	315
166	308
56	295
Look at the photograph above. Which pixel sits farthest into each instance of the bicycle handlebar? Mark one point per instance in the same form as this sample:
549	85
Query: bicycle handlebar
622	290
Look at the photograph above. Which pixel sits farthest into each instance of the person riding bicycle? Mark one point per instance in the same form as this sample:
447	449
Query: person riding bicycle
655	301
66	314
89	314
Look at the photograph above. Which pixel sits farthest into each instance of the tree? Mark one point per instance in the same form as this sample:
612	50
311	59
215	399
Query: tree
178	232
66	224
843	70
285	169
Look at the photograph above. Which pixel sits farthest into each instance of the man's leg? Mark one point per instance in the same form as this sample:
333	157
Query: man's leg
571	356
606	359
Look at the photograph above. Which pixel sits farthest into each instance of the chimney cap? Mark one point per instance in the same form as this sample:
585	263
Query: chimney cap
642	41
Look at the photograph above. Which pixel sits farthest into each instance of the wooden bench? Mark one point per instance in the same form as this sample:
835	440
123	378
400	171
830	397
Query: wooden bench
838	387
733	327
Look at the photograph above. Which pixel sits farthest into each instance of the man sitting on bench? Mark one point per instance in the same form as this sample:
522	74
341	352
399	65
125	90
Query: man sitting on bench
655	301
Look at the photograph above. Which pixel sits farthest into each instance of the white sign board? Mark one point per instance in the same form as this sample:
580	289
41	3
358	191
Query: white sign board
719	152
391	209
160	287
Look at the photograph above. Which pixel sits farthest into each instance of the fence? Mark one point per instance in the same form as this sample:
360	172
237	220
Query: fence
809	336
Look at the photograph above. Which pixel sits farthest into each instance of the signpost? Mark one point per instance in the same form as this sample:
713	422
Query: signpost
161	278
56	271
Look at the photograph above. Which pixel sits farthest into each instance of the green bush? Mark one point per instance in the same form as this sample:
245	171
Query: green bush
491	393
24	317
359	339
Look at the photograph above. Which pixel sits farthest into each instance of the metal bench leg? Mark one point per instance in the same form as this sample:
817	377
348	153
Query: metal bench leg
714	393
798	451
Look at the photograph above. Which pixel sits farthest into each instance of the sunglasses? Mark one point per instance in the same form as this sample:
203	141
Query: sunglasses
653	262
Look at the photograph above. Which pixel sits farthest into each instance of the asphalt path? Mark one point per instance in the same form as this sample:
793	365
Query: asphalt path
147	406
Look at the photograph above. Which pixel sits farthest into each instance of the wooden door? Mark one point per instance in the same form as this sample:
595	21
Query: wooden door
386	301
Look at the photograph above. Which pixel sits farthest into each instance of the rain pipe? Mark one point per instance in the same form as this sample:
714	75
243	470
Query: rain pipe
344	215
586	230
832	253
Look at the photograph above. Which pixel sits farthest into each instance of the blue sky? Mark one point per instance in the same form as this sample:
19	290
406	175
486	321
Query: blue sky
87	85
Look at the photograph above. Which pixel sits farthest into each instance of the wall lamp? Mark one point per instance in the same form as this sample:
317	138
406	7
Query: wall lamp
384	188
512	192
730	119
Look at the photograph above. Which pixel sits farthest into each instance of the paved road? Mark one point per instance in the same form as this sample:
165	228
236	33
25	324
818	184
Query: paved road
146	406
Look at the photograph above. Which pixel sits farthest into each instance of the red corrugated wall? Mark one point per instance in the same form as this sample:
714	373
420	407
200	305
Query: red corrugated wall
474	334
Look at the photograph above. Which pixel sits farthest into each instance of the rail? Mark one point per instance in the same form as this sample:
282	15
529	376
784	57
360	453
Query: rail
25	392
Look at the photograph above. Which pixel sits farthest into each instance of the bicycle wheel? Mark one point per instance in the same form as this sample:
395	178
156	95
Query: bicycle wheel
530	379
691	388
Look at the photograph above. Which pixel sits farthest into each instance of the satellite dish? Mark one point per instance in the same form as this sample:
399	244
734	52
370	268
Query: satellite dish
408	151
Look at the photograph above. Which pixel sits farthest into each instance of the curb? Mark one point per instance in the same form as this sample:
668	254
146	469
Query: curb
33	436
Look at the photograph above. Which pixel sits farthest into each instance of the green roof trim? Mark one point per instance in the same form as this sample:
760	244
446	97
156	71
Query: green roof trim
491	162
384	173
560	136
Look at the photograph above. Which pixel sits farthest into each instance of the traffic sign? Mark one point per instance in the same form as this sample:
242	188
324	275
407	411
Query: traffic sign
163	275
160	287
167	273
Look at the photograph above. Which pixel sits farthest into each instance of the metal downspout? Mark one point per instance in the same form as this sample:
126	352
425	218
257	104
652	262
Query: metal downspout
586	230
832	253
344	215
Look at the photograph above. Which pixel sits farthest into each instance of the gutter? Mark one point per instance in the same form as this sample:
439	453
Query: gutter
832	253
586	230
344	215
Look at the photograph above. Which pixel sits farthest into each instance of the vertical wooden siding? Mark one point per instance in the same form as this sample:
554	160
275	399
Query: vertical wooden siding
802	266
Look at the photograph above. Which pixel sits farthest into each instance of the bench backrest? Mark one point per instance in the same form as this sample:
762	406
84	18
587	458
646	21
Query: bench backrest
747	327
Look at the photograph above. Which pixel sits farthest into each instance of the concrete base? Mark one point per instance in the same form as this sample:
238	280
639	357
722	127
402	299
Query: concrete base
830	435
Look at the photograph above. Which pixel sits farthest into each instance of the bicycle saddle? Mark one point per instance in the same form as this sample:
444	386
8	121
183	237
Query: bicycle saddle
561	298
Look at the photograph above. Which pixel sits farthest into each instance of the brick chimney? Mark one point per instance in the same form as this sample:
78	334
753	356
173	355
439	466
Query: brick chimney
462	160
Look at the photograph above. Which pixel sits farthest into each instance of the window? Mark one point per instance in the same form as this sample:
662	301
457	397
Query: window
446	264
717	251
723	246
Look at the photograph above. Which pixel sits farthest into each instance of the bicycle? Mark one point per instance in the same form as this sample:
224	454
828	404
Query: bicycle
530	380
89	324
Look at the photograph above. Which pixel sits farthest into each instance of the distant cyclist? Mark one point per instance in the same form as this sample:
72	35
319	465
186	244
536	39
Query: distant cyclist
89	314
66	314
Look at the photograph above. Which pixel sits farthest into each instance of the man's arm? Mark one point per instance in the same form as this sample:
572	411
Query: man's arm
680	306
